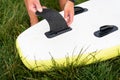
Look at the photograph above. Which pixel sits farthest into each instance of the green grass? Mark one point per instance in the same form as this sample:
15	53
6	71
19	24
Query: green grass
13	21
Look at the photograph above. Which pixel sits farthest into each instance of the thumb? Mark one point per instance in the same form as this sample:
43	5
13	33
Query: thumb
66	16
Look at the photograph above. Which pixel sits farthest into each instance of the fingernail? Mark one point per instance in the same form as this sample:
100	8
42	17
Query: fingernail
40	10
66	19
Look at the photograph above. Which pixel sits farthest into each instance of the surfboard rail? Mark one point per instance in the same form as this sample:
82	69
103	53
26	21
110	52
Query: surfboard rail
81	59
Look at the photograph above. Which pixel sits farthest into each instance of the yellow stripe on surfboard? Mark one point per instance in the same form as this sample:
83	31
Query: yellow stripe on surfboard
44	65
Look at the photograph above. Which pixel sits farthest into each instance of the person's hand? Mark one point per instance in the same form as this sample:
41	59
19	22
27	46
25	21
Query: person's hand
33	6
69	12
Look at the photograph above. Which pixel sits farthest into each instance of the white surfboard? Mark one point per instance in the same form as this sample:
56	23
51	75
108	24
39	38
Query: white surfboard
36	50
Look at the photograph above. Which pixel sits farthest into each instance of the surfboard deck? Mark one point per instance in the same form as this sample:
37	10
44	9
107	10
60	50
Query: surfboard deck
36	50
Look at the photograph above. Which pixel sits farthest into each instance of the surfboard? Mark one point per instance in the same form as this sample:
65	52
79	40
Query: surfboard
93	36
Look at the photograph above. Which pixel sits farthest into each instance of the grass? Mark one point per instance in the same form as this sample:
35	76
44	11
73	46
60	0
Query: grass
13	21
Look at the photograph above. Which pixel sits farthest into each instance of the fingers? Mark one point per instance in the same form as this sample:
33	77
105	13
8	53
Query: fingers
65	15
33	6
69	12
68	18
38	6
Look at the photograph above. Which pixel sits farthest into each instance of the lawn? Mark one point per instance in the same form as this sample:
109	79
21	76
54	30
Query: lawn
14	20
